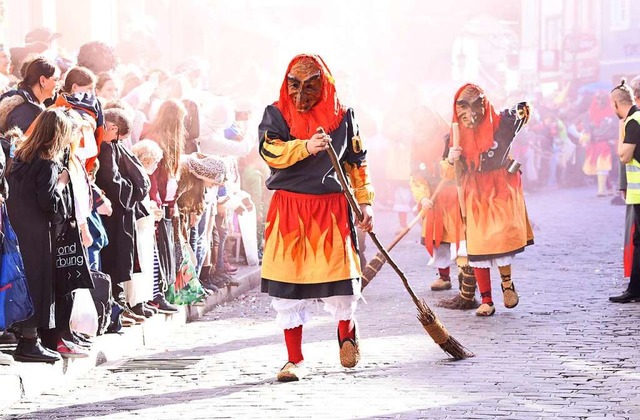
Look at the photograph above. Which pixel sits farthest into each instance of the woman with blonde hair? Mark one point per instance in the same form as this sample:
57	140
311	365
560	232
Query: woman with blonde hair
168	130
149	154
37	179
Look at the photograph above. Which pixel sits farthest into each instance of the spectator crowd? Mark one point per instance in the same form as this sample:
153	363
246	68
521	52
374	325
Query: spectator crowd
126	191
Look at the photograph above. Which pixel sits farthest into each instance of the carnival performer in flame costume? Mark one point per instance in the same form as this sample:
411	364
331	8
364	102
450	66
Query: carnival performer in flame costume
497	225
310	249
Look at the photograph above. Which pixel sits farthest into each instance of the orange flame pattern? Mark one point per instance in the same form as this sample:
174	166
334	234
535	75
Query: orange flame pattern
497	220
443	222
308	239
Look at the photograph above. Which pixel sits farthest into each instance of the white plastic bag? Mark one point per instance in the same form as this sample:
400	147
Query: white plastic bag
248	228
140	287
84	317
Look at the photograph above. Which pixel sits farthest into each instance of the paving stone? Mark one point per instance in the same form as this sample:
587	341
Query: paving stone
564	352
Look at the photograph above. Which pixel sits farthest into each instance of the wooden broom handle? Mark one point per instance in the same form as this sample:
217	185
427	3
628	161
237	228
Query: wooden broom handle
404	231
354	206
455	130
341	178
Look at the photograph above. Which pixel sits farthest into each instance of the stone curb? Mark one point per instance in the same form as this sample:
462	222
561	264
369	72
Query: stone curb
28	380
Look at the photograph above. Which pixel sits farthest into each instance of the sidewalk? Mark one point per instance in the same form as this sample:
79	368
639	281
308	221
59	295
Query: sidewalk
26	380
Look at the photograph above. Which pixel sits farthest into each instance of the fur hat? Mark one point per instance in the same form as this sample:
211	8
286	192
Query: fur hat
207	167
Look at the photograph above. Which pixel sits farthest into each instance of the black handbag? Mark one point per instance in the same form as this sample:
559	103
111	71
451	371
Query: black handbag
72	263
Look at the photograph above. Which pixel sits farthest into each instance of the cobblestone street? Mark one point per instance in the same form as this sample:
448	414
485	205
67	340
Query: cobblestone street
564	352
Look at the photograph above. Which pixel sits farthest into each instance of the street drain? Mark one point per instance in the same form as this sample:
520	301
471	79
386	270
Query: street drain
154	364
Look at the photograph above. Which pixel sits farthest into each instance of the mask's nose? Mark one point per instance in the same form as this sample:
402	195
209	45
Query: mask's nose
473	117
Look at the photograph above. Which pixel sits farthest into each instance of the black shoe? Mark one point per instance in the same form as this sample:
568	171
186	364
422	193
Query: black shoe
206	284
7	337
30	350
625	297
140	310
163	306
151	308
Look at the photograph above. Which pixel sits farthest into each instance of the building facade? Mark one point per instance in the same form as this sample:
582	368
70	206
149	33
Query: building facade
619	39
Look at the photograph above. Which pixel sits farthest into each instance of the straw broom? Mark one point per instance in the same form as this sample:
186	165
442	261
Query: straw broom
426	316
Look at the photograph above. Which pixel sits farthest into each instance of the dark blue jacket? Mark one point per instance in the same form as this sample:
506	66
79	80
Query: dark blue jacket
18	108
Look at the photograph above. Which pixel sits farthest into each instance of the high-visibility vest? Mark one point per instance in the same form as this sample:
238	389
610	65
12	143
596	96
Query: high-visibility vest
633	169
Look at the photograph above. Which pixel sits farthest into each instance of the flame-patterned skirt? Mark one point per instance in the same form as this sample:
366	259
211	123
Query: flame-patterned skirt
497	220
310	240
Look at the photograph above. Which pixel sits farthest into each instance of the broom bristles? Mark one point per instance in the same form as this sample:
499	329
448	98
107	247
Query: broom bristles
439	334
458	302
456	350
466	298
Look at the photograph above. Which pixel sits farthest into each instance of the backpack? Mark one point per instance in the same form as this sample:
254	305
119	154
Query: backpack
102	299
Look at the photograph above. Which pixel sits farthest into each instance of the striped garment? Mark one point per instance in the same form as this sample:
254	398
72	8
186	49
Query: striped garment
156	274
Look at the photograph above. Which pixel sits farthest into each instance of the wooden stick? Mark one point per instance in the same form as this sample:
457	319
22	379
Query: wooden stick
373	267
455	129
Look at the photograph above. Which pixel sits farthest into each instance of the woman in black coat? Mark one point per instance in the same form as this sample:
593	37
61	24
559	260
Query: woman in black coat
36	181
